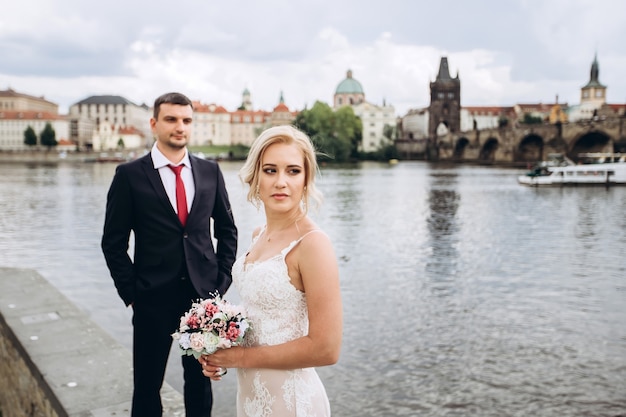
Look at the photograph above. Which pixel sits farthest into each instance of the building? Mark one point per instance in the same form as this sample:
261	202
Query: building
13	124
246	102
281	115
445	103
18	111
349	92
592	96
414	124
11	100
535	110
484	117
374	118
109	110
111	137
211	125
246	125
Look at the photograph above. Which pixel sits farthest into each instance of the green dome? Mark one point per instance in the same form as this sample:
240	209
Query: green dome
349	86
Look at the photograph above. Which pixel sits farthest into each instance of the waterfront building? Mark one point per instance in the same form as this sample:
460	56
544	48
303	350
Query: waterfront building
536	110
593	92
374	118
592	96
11	100
246	125
445	114
349	92
112	137
13	124
108	110
211	125
445	103
484	117
414	124
281	115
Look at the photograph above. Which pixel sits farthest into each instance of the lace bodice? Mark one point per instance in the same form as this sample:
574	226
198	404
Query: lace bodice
277	312
276	309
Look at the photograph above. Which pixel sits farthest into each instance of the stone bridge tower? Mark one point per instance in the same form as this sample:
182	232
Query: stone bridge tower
445	103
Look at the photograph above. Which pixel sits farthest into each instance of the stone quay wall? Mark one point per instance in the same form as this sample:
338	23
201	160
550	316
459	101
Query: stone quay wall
55	361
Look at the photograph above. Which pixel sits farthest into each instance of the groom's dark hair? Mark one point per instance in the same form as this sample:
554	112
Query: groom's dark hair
170	98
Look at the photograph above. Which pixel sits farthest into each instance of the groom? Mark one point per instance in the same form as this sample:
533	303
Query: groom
174	260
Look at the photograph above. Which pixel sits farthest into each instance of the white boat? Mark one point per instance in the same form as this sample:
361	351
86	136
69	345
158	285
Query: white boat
593	169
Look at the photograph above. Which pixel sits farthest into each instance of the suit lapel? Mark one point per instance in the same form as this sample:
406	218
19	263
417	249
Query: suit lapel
154	178
195	171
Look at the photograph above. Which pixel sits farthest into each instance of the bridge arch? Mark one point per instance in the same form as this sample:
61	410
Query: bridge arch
595	141
459	148
530	149
488	150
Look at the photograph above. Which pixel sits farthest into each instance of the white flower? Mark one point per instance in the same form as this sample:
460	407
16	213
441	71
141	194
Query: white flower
184	340
219	318
211	342
243	326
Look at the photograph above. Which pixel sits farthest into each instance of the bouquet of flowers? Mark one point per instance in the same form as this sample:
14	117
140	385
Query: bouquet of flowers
211	324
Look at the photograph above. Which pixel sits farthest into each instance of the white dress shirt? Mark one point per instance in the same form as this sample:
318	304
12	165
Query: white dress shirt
169	178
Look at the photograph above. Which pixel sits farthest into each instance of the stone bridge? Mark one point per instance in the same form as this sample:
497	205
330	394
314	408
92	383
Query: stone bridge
523	144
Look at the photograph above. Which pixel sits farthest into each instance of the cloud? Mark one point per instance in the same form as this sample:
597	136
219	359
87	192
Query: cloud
505	52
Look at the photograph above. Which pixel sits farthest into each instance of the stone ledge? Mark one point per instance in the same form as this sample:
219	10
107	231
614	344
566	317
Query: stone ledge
79	368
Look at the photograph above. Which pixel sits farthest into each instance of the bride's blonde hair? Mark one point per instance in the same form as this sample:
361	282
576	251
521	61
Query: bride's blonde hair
286	134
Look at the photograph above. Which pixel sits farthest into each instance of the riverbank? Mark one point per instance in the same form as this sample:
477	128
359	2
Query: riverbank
55	156
55	361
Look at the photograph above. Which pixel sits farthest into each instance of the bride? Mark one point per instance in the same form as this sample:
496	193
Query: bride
288	281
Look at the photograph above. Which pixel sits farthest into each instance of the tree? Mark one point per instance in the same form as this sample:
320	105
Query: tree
336	135
48	136
389	131
30	137
529	119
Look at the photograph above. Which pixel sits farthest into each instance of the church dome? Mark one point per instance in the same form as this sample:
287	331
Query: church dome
349	86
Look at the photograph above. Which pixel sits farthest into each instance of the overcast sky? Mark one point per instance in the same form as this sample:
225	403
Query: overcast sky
505	51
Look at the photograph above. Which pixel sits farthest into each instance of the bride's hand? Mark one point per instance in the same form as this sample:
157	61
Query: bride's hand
213	372
223	358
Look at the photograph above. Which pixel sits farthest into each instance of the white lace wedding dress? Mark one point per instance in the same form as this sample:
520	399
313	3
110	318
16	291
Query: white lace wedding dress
278	313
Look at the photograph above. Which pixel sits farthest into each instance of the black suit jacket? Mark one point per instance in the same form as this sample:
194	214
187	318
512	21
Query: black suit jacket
137	202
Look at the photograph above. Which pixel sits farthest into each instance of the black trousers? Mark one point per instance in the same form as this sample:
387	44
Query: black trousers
156	316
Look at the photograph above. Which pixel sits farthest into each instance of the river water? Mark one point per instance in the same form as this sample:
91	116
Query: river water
465	294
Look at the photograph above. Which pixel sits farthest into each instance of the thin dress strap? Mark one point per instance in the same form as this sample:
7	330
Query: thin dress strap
295	242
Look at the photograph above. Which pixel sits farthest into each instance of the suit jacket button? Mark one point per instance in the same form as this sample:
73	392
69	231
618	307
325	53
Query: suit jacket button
183	278
185	235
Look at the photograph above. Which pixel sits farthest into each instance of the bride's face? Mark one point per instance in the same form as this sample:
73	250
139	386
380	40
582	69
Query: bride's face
282	177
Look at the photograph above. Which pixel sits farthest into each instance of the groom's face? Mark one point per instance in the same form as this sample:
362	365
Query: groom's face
173	125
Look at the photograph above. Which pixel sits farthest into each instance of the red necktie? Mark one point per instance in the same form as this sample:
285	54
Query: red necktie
181	197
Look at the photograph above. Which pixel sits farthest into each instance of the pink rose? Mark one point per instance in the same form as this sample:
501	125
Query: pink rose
196	341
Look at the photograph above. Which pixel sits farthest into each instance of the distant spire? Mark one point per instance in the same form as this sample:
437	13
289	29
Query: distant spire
281	100
594	76
595	71
444	72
